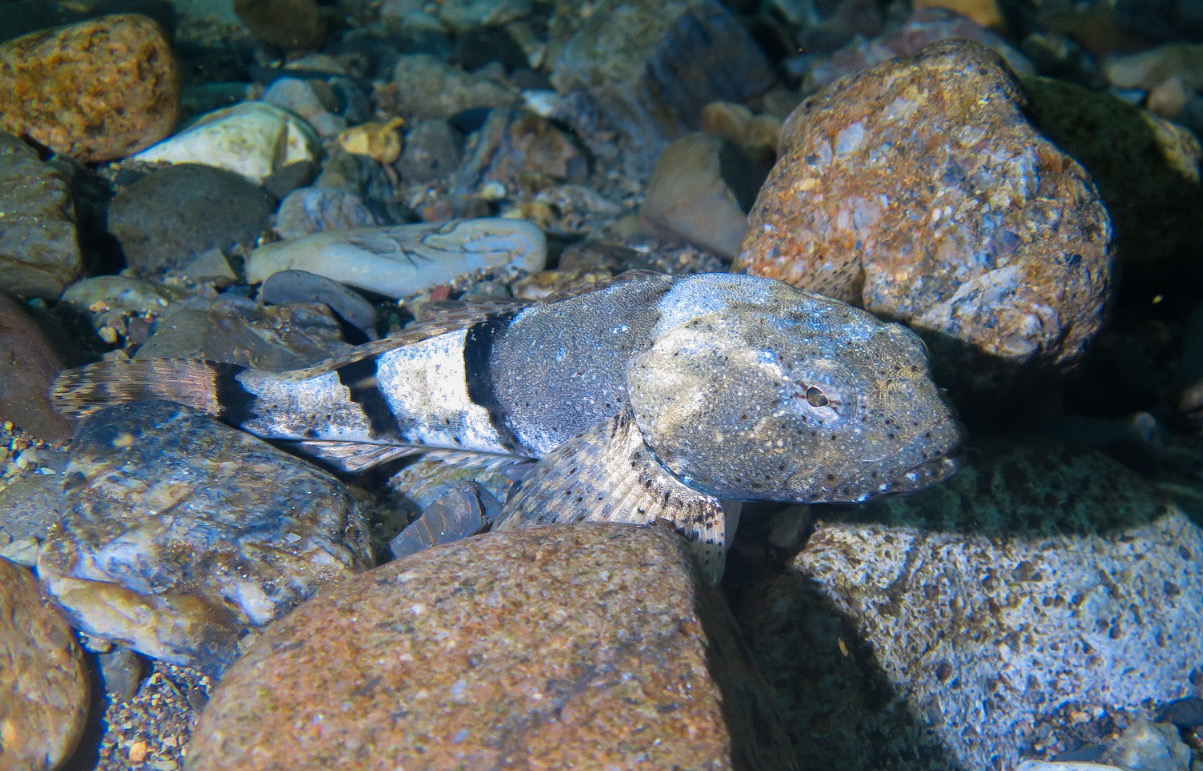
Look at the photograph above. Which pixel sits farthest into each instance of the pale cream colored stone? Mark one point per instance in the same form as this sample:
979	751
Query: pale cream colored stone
400	260
254	139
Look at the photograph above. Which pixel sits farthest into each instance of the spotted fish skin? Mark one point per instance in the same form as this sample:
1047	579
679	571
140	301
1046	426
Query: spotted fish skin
716	387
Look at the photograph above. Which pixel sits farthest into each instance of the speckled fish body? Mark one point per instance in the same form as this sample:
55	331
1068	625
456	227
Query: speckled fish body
650	397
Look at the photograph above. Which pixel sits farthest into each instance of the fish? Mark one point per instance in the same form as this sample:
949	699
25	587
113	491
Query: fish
648	397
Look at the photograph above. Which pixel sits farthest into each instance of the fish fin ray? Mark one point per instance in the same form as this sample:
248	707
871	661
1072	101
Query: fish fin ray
80	392
607	474
351	457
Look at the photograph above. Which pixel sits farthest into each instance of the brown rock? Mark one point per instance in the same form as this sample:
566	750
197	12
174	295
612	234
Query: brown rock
919	190
588	646
43	684
283	23
98	90
28	365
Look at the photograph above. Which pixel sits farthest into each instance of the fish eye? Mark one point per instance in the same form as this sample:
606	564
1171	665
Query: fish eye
816	398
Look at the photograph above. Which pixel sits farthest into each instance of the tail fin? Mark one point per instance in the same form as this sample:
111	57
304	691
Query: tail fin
80	392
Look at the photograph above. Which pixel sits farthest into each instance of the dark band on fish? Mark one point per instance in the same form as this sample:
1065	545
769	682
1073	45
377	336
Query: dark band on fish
359	378
478	351
236	405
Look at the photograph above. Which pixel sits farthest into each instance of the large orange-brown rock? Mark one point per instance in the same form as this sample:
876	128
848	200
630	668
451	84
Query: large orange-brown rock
43	684
589	645
97	90
919	190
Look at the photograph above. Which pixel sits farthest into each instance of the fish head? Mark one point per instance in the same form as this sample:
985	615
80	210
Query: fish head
755	390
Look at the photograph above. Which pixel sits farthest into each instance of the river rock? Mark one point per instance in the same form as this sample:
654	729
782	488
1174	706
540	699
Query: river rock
254	139
433	149
97	90
169	217
44	682
311	99
689	198
919	190
28	365
311	209
590	645
628	57
1042	575
428	87
39	250
236	330
514	144
170	542
405	259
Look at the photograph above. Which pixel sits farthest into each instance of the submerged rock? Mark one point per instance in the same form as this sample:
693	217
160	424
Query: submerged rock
170	542
43	680
171	216
919	190
39	247
590	645
97	90
651	66
1042	575
254	139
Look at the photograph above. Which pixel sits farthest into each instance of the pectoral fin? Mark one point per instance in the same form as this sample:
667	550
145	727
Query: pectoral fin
607	474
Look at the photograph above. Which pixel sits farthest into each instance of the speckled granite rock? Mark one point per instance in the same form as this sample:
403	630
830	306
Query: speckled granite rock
170	542
97	90
919	190
28	365
650	66
39	250
1041	576
43	682
168	217
588	646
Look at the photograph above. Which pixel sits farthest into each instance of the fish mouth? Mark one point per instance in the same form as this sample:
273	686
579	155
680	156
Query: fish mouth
932	470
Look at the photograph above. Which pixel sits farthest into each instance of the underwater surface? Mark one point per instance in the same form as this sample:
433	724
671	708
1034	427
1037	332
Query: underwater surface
515	383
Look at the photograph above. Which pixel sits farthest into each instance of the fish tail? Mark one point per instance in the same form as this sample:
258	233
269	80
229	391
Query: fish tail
197	384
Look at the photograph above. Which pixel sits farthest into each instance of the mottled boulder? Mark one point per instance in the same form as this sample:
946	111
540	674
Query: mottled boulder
169	540
919	190
1043	575
589	646
43	682
39	248
97	90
